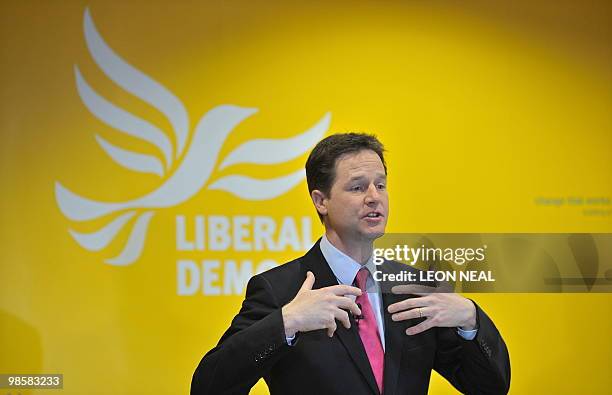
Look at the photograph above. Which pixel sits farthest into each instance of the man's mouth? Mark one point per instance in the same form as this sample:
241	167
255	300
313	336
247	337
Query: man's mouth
374	214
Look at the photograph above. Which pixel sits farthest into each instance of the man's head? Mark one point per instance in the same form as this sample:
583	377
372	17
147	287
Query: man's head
346	175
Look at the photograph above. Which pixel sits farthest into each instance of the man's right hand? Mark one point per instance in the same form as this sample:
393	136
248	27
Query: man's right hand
320	308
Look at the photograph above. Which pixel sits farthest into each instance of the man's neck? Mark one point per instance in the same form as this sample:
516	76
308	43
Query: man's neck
358	251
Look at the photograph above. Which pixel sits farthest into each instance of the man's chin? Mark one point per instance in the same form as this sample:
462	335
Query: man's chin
373	234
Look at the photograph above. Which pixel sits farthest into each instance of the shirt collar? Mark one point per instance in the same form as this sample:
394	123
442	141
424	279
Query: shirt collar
344	267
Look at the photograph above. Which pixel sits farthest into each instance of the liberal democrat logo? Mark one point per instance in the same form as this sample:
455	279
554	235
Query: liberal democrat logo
186	161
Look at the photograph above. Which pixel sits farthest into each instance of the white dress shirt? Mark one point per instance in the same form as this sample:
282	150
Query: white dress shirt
345	269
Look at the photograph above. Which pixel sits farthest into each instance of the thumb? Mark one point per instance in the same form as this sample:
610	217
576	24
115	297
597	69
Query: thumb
308	283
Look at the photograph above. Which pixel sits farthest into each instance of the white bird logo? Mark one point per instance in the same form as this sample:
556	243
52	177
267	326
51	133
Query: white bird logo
181	179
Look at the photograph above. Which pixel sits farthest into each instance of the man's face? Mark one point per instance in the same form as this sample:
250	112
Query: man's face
357	206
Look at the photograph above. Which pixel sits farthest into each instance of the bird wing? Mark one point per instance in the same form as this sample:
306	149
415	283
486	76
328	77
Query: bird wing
143	87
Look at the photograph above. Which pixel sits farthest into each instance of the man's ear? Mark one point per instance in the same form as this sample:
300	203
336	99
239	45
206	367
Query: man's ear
320	201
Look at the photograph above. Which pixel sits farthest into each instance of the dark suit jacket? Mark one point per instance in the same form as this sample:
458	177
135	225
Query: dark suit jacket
254	346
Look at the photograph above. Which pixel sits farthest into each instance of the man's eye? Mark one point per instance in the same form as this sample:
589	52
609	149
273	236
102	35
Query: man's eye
356	188
382	187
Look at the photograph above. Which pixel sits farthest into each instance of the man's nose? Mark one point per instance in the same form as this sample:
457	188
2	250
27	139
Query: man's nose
372	195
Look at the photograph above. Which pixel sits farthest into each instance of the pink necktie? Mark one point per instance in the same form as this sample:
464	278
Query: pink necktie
368	330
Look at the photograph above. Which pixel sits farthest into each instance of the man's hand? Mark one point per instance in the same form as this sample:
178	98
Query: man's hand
320	308
441	309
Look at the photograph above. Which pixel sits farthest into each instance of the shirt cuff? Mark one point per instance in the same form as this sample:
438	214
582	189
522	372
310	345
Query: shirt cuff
467	335
291	340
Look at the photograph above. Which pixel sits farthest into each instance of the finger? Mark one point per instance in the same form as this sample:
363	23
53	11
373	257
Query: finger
347	303
309	282
422	327
411	314
414	289
343	317
342	290
331	329
407	304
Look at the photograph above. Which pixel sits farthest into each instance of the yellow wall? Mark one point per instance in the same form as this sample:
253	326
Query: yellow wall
483	108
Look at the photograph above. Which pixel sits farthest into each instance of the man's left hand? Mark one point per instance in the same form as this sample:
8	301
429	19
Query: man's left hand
439	308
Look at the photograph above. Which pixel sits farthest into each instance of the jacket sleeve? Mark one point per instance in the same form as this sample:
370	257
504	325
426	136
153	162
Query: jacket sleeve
478	366
248	349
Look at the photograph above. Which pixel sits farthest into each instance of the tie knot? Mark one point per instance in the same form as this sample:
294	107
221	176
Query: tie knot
361	278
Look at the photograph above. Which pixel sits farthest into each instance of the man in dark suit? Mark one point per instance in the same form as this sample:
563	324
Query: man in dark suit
321	324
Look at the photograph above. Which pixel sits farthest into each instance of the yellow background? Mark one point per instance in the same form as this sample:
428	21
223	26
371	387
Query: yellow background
484	107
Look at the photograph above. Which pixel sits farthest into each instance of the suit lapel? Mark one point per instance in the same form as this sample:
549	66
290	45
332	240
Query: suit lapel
394	338
395	335
324	277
